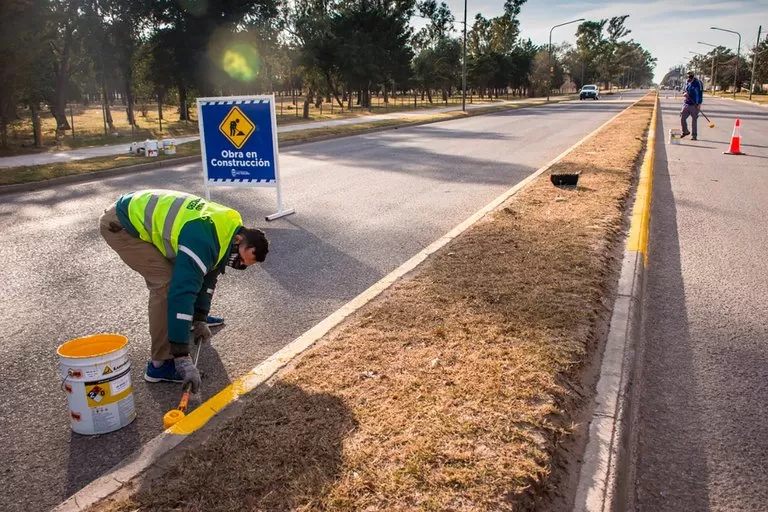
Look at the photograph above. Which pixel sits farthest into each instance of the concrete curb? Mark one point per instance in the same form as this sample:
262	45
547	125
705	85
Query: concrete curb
118	171
149	454
605	481
602	486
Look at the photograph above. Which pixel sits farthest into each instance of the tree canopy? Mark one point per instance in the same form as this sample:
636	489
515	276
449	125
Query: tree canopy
171	51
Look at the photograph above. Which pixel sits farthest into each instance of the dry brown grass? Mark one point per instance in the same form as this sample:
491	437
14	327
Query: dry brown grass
453	390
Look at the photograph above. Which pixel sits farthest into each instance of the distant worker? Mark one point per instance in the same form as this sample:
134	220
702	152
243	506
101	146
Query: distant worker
693	94
179	243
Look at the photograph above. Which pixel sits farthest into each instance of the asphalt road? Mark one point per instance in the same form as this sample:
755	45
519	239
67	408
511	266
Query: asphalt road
703	432
364	205
122	148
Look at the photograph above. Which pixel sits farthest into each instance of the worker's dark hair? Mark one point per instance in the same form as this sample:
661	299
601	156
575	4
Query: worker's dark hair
255	238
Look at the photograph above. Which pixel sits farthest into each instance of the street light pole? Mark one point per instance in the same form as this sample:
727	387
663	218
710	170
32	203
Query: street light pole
716	54
754	61
549	55
464	64
738	55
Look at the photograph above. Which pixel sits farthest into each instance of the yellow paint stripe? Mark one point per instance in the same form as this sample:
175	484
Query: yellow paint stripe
641	212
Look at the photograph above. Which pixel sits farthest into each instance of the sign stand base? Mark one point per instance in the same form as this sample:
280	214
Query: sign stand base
281	213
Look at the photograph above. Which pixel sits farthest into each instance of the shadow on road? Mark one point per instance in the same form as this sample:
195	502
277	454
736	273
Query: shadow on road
671	470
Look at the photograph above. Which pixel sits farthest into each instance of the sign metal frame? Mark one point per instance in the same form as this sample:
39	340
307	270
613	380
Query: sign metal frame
241	102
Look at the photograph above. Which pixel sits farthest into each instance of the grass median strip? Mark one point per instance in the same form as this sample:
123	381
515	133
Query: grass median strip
35	173
454	389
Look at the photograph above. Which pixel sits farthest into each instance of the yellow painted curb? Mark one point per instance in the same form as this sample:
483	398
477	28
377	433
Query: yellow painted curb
641	212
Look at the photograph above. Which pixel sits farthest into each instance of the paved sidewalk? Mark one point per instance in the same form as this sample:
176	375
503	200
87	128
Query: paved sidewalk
80	154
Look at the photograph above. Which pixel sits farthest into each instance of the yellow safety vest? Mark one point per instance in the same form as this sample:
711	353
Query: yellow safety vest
160	215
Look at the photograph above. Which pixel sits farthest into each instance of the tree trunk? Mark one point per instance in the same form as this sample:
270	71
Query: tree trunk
37	129
3	133
129	99
307	101
183	105
107	112
386	94
429	95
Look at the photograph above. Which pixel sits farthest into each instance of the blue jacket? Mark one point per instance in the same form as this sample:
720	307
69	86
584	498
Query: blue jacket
190	289
695	91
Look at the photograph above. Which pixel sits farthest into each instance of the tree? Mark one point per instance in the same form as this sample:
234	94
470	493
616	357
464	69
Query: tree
198	35
761	67
491	46
65	39
440	24
725	67
374	43
438	67
26	68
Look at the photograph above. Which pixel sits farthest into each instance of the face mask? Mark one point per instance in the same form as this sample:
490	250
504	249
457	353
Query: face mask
235	261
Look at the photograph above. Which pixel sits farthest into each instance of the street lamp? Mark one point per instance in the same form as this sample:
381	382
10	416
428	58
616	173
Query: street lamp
738	54
754	62
549	54
714	65
464	65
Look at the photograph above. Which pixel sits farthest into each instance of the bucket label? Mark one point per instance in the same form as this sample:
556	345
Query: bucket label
108	391
107	370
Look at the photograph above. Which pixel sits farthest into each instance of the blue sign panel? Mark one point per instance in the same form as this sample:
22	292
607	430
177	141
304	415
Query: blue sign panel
238	137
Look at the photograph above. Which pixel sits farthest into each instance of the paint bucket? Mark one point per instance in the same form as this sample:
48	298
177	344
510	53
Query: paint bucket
96	377
169	146
150	148
674	135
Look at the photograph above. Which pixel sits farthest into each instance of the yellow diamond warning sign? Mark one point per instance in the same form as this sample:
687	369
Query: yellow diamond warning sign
236	127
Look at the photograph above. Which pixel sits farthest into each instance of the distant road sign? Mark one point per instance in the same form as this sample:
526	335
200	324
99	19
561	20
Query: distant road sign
238	140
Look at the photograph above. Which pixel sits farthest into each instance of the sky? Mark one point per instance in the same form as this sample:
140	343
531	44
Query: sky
669	29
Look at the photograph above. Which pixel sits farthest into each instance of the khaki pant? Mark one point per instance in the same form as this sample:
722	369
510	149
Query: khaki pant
156	270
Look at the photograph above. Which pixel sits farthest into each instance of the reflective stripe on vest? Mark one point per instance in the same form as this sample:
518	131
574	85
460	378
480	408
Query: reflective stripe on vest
159	215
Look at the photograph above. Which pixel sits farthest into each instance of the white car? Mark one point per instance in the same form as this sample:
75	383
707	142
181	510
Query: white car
589	91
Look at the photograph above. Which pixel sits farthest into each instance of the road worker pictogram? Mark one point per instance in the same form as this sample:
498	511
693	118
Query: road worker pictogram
236	127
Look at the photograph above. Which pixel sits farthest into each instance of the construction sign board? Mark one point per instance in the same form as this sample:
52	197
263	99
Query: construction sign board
238	141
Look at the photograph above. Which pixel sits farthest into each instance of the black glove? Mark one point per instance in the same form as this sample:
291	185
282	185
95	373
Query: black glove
188	372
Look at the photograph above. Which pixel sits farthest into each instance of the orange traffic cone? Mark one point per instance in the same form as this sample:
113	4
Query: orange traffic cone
735	141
